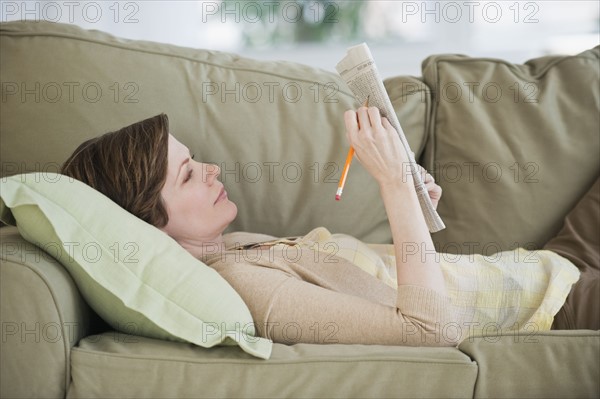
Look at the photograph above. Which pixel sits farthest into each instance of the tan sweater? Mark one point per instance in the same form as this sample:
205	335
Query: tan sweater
314	289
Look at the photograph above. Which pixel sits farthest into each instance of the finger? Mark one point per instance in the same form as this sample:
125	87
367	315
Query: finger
425	175
434	189
363	119
422	172
386	122
351	121
374	116
387	125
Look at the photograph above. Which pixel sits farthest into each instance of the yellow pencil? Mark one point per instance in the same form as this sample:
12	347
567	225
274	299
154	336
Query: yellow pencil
338	194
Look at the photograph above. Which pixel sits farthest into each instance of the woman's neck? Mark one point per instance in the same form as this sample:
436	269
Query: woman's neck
200	249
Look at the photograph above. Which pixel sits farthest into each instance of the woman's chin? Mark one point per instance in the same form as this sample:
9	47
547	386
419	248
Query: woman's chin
234	210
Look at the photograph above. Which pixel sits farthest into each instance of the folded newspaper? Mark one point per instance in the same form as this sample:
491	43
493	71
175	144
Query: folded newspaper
359	72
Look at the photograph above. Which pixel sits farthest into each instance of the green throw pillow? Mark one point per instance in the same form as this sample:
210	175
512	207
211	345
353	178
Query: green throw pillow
136	277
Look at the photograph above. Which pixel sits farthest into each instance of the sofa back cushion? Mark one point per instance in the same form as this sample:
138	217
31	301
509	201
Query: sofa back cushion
275	128
514	147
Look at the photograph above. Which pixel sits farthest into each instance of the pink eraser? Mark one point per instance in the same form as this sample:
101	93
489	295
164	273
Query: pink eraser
338	197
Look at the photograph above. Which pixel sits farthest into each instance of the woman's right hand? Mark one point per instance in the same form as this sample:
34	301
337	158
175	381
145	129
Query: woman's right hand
377	146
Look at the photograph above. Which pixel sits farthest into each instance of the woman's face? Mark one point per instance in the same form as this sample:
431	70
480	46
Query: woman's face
196	202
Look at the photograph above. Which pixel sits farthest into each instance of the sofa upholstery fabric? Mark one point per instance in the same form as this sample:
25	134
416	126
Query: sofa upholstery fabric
39	328
118	365
262	142
514	147
534	364
253	133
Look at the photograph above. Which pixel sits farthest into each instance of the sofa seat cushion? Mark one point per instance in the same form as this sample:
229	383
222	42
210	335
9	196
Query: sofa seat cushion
533	364
113	364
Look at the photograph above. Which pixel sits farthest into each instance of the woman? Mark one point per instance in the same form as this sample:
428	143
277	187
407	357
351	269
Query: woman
405	298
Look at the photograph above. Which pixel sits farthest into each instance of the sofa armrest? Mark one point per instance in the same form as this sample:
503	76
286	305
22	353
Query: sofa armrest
42	315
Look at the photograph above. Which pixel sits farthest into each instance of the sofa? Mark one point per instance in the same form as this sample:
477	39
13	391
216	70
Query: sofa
513	146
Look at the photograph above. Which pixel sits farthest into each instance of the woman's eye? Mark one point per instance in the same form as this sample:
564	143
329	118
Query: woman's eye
189	175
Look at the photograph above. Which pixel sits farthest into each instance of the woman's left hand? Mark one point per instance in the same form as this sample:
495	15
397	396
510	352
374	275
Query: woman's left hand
435	191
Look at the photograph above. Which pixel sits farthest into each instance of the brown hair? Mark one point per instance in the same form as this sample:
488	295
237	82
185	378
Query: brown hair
129	166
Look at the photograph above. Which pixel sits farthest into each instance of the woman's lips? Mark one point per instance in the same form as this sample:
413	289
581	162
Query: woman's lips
222	195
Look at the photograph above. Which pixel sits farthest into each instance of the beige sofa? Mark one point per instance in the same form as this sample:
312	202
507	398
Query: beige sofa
513	147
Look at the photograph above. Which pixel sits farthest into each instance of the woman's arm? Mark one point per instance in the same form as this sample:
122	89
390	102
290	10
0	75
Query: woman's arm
378	148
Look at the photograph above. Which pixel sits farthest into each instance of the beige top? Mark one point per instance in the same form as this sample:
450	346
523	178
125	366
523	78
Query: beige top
324	288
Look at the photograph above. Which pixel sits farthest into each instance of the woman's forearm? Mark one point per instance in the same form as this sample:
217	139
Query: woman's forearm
379	150
417	261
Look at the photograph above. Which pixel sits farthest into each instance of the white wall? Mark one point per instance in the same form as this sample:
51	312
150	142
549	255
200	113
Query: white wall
512	30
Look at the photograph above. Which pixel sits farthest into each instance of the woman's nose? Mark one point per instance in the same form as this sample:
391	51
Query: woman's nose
212	170
216	170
